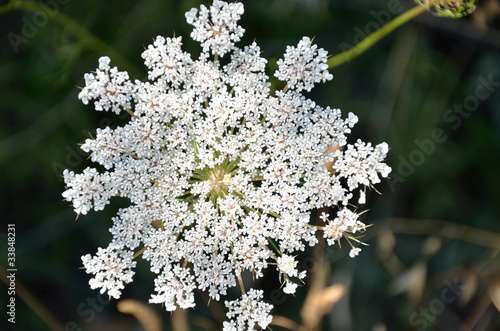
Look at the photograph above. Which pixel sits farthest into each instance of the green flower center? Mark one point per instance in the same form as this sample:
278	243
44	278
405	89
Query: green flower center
217	177
219	181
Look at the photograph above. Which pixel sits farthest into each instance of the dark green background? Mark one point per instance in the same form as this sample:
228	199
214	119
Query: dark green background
403	90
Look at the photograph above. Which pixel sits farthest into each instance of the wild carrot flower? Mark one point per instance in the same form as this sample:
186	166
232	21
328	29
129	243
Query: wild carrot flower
221	173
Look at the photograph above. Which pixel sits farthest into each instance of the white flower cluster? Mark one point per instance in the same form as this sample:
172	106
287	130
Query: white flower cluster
109	87
112	267
287	266
221	174
217	28
248	312
303	66
345	224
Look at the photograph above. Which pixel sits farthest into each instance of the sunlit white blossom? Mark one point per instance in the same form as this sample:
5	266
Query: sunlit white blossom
290	287
354	252
346	223
112	268
111	88
287	265
222	174
303	66
216	27
248	312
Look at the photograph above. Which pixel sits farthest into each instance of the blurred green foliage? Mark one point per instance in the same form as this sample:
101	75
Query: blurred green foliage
401	90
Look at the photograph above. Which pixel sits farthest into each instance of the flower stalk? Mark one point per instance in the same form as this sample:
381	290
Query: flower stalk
376	36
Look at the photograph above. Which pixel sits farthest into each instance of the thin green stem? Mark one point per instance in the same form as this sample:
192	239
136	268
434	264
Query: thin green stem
85	37
274	245
372	39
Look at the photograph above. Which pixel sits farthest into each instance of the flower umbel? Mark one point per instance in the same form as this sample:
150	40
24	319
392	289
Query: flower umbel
248	312
222	174
450	8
